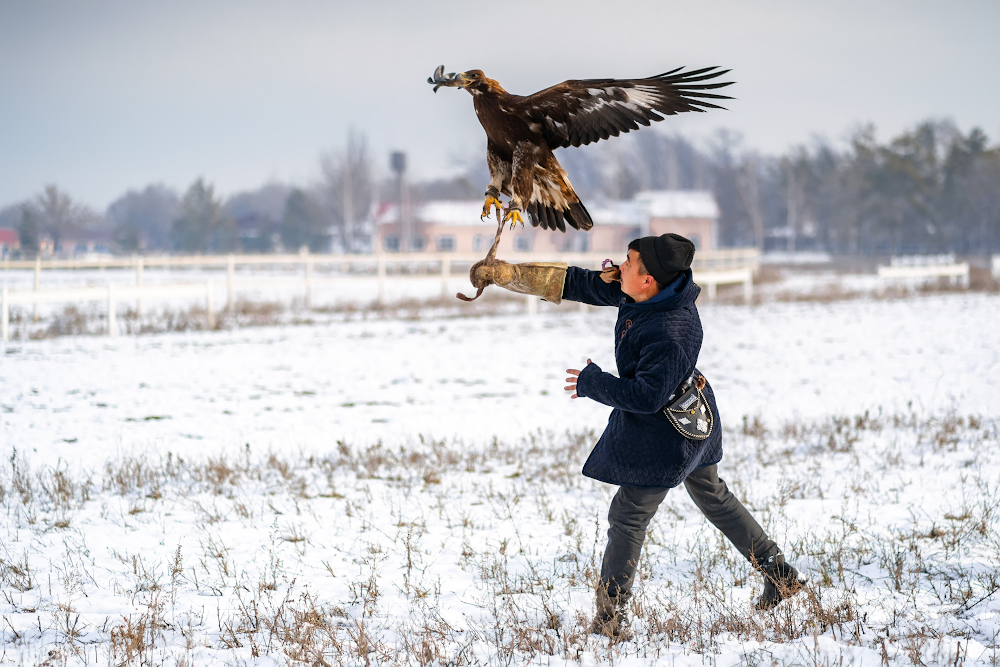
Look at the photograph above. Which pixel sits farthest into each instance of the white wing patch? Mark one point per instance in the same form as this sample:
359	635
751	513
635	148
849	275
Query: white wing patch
643	96
638	99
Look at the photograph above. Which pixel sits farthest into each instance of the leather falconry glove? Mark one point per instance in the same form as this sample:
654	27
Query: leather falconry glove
544	279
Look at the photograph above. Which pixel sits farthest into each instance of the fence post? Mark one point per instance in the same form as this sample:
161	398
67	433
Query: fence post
381	279
209	306
230	277
112	324
748	286
445	275
711	291
138	282
38	281
309	280
4	315
532	305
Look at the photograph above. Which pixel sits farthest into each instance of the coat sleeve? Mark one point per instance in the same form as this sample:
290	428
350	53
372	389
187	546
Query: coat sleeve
586	286
662	366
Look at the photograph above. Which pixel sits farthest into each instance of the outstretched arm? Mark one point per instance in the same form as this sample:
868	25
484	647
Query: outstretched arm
588	287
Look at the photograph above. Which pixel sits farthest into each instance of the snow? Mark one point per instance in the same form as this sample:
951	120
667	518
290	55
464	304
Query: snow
367	380
331	288
679	203
394	471
797	257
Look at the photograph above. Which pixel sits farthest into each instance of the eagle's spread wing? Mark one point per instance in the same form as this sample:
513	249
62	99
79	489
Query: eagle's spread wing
576	113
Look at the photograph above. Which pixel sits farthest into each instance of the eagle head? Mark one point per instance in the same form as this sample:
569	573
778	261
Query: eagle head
472	80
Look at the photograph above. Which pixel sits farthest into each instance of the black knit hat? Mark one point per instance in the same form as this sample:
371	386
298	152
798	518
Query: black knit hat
664	256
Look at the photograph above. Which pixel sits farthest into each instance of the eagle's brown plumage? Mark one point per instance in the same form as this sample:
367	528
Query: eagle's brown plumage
522	131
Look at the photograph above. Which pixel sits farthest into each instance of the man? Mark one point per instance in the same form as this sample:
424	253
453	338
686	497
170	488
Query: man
658	337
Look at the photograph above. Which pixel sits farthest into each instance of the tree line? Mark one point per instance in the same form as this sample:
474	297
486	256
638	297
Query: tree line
334	212
931	188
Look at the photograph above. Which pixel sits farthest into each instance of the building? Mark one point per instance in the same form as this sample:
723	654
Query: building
454	226
9	241
693	214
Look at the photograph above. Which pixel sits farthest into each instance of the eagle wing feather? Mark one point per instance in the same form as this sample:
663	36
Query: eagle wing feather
580	112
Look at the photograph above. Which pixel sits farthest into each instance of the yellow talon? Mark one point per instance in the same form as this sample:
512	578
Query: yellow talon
514	216
488	206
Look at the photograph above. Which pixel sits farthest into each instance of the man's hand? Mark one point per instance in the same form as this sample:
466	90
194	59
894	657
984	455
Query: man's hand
571	381
611	274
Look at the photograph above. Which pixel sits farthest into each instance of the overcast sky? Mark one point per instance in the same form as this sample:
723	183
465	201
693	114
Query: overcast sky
100	97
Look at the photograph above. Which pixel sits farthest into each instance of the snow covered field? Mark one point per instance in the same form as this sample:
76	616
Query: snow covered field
408	492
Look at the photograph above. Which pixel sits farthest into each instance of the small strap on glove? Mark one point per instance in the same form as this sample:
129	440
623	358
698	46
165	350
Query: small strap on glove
610	272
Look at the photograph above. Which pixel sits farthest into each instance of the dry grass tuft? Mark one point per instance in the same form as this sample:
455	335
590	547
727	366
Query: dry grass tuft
352	557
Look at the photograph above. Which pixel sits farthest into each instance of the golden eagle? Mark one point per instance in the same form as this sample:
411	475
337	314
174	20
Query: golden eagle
522	132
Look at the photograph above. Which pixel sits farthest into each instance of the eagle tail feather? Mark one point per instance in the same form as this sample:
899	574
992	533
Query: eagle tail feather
533	214
550	218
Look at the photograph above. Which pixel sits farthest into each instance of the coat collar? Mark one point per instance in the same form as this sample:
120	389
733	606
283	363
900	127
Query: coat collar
678	294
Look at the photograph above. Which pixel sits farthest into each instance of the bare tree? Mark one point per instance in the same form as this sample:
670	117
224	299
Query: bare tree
347	188
795	196
58	215
142	219
748	184
302	223
203	224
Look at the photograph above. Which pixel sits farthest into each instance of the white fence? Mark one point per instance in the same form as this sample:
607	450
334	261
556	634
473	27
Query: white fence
958	272
923	260
110	295
713	269
710	279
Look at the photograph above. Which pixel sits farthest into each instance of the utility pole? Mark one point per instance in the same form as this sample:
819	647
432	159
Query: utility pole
398	163
347	201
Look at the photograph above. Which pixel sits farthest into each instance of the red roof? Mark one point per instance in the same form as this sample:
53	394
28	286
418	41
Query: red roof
9	238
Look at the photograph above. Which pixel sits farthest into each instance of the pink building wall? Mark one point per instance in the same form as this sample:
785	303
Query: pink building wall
700	230
455	226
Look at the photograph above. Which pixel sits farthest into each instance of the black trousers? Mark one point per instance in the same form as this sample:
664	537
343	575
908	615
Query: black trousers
633	507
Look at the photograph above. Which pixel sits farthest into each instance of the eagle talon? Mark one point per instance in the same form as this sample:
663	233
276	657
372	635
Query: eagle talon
491	201
513	215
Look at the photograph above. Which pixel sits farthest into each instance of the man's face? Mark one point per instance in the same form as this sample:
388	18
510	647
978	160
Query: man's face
633	282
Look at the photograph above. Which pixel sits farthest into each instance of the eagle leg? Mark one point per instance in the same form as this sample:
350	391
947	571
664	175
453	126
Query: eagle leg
513	215
492	199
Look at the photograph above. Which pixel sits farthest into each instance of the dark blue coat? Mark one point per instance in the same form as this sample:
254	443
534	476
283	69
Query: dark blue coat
656	348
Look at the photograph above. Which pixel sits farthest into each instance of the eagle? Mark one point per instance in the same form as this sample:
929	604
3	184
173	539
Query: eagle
522	131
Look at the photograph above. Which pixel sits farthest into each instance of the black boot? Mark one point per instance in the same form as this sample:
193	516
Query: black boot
781	581
611	619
